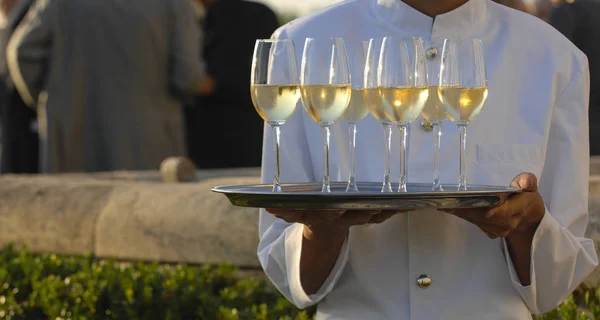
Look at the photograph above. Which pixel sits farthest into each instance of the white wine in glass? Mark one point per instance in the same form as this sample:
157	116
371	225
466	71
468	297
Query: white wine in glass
463	90
373	99
357	108
325	87
463	105
275	89
374	104
325	104
403	88
275	103
403	104
434	111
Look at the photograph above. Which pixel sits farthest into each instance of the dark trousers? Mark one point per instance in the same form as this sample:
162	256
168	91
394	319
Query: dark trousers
20	144
227	136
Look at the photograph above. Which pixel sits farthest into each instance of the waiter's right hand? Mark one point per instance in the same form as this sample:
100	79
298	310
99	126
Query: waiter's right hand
332	222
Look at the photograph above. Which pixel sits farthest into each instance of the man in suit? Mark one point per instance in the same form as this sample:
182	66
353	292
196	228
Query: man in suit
108	78
578	21
17	121
223	129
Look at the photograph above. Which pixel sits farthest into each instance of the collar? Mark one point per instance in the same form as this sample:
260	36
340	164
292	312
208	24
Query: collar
399	15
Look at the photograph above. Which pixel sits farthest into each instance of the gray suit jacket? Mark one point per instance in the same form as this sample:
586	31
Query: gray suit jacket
107	77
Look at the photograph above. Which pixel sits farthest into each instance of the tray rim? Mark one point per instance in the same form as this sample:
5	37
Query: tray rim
491	190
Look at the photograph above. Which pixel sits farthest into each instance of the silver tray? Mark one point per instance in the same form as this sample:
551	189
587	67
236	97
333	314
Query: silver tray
308	196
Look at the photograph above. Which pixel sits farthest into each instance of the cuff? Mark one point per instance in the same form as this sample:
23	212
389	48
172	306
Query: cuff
548	225
293	249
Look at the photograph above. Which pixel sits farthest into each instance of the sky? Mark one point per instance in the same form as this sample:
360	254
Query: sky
298	6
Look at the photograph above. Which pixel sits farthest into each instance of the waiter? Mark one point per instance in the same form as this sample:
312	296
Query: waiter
507	262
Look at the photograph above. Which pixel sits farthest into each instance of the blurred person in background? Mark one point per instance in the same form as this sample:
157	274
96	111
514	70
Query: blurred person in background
223	129
579	21
108	78
17	121
543	8
515	4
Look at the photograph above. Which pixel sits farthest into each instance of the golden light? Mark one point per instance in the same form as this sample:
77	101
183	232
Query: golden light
465	102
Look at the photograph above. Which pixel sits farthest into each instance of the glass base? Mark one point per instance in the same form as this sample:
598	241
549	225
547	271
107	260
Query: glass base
352	188
387	187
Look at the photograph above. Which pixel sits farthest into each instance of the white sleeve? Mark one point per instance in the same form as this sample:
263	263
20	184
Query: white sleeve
280	242
561	257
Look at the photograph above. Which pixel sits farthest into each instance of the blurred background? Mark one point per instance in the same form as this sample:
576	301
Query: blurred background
58	114
116	119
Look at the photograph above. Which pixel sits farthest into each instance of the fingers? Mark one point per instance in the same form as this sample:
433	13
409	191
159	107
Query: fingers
358	217
383	216
307	217
476	213
344	218
489	234
526	181
292	217
275	211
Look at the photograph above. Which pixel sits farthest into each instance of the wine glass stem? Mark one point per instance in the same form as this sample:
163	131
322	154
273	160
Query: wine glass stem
276	146
352	187
437	140
462	182
387	183
326	134
403	136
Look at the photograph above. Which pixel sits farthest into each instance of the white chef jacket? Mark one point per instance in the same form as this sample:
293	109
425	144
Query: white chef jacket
535	120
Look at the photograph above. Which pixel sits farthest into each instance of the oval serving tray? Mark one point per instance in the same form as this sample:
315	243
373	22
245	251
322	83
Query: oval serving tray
308	196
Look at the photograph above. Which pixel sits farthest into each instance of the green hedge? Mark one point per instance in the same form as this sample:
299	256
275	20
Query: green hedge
47	286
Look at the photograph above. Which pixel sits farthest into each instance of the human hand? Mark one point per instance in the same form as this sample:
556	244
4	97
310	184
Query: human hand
331	223
207	86
520	214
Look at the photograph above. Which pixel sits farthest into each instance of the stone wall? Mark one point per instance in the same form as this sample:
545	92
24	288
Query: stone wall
134	216
130	215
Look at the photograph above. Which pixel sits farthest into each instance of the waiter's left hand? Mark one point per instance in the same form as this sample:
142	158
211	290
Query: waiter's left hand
519	214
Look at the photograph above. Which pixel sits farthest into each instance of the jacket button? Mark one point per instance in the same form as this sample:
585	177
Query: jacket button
424	281
426	126
431	53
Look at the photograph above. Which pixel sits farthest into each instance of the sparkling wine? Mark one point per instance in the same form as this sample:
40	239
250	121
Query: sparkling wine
434	109
403	104
357	108
325	104
374	103
463	104
275	103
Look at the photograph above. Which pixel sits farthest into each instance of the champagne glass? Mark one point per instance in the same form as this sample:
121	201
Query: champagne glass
463	89
403	87
371	94
434	113
357	108
325	88
275	89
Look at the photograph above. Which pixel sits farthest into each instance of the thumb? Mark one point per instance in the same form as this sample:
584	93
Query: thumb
526	181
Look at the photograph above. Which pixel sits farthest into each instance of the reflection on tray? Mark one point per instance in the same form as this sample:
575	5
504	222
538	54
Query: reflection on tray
308	196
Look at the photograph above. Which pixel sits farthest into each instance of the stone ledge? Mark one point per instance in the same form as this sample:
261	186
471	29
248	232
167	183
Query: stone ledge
129	215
